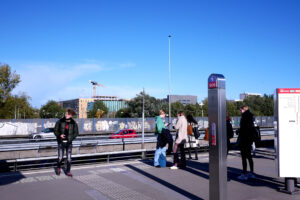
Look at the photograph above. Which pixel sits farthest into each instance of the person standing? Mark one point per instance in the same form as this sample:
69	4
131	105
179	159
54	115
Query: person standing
245	142
181	138
66	130
192	140
229	132
160	159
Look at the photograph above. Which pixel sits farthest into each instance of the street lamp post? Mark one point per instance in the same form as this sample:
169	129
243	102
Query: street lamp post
143	123
169	81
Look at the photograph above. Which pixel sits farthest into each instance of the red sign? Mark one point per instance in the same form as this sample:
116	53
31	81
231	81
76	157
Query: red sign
288	90
212	85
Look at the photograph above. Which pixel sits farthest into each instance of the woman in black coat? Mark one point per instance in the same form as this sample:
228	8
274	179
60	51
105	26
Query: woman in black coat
245	142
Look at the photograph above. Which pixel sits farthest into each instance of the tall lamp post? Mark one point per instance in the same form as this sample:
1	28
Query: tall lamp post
143	126
169	81
143	123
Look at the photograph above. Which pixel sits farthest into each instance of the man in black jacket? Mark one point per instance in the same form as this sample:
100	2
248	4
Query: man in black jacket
245	141
66	130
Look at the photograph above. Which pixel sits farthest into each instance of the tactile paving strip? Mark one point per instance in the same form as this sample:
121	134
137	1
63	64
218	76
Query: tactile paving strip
111	189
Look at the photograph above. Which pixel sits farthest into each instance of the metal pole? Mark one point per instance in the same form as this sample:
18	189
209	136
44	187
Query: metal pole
169	81
143	116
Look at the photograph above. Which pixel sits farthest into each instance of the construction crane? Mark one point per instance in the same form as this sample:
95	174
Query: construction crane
95	84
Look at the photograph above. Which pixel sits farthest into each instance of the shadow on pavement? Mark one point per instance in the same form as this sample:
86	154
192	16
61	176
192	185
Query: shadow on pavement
165	183
233	173
10	177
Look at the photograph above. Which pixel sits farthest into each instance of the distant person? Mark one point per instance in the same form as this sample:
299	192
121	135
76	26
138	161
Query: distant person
160	159
229	132
181	138
192	140
245	142
66	130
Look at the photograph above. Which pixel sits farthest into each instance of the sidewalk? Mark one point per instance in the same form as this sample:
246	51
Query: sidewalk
139	180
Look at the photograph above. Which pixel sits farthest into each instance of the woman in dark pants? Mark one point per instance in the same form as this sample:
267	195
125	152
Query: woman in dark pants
245	142
192	141
181	138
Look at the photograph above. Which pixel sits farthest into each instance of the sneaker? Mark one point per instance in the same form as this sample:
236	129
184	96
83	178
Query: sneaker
158	166
58	171
174	167
243	177
69	174
251	175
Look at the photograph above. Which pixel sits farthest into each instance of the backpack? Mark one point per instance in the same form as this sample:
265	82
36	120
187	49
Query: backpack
256	134
196	132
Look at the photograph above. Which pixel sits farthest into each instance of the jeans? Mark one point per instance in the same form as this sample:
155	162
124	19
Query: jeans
160	157
61	148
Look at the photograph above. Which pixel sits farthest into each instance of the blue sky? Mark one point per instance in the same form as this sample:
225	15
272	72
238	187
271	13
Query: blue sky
58	46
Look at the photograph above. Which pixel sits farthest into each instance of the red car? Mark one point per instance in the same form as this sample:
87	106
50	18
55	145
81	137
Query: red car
124	133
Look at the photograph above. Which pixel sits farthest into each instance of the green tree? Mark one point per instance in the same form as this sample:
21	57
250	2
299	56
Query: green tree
232	108
151	105
267	108
18	107
51	110
123	113
8	81
98	106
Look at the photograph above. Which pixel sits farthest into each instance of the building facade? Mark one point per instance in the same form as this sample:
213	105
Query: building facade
82	105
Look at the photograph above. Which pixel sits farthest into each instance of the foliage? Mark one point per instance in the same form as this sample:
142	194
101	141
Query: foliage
123	113
260	106
18	107
99	110
51	110
151	105
8	81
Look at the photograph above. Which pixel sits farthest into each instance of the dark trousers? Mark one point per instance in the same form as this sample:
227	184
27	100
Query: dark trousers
246	154
182	155
61	149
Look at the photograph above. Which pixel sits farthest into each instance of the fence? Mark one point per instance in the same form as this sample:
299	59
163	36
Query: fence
23	127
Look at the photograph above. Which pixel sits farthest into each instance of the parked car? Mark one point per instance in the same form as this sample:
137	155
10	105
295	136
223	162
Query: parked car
47	133
124	133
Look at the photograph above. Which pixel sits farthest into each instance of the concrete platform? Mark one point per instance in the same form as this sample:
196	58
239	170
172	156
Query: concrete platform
139	180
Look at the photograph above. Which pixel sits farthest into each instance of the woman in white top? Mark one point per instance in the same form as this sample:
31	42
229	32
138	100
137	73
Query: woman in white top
181	138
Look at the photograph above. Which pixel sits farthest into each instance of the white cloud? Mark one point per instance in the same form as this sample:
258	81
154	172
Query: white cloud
56	81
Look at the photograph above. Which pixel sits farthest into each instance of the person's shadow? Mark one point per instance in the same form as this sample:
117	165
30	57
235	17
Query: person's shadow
6	176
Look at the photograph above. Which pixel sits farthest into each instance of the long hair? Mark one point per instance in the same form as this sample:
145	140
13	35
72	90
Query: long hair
191	119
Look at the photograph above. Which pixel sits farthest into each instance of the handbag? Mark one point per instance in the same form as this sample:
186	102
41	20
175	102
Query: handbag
206	137
190	130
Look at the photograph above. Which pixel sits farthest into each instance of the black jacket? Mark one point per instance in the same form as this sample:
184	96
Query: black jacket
59	130
246	128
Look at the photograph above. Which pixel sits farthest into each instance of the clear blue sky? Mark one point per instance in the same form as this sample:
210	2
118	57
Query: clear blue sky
58	46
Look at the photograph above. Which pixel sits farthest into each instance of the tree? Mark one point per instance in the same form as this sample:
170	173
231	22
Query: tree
123	113
8	81
151	105
51	110
99	107
18	107
260	106
232	108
